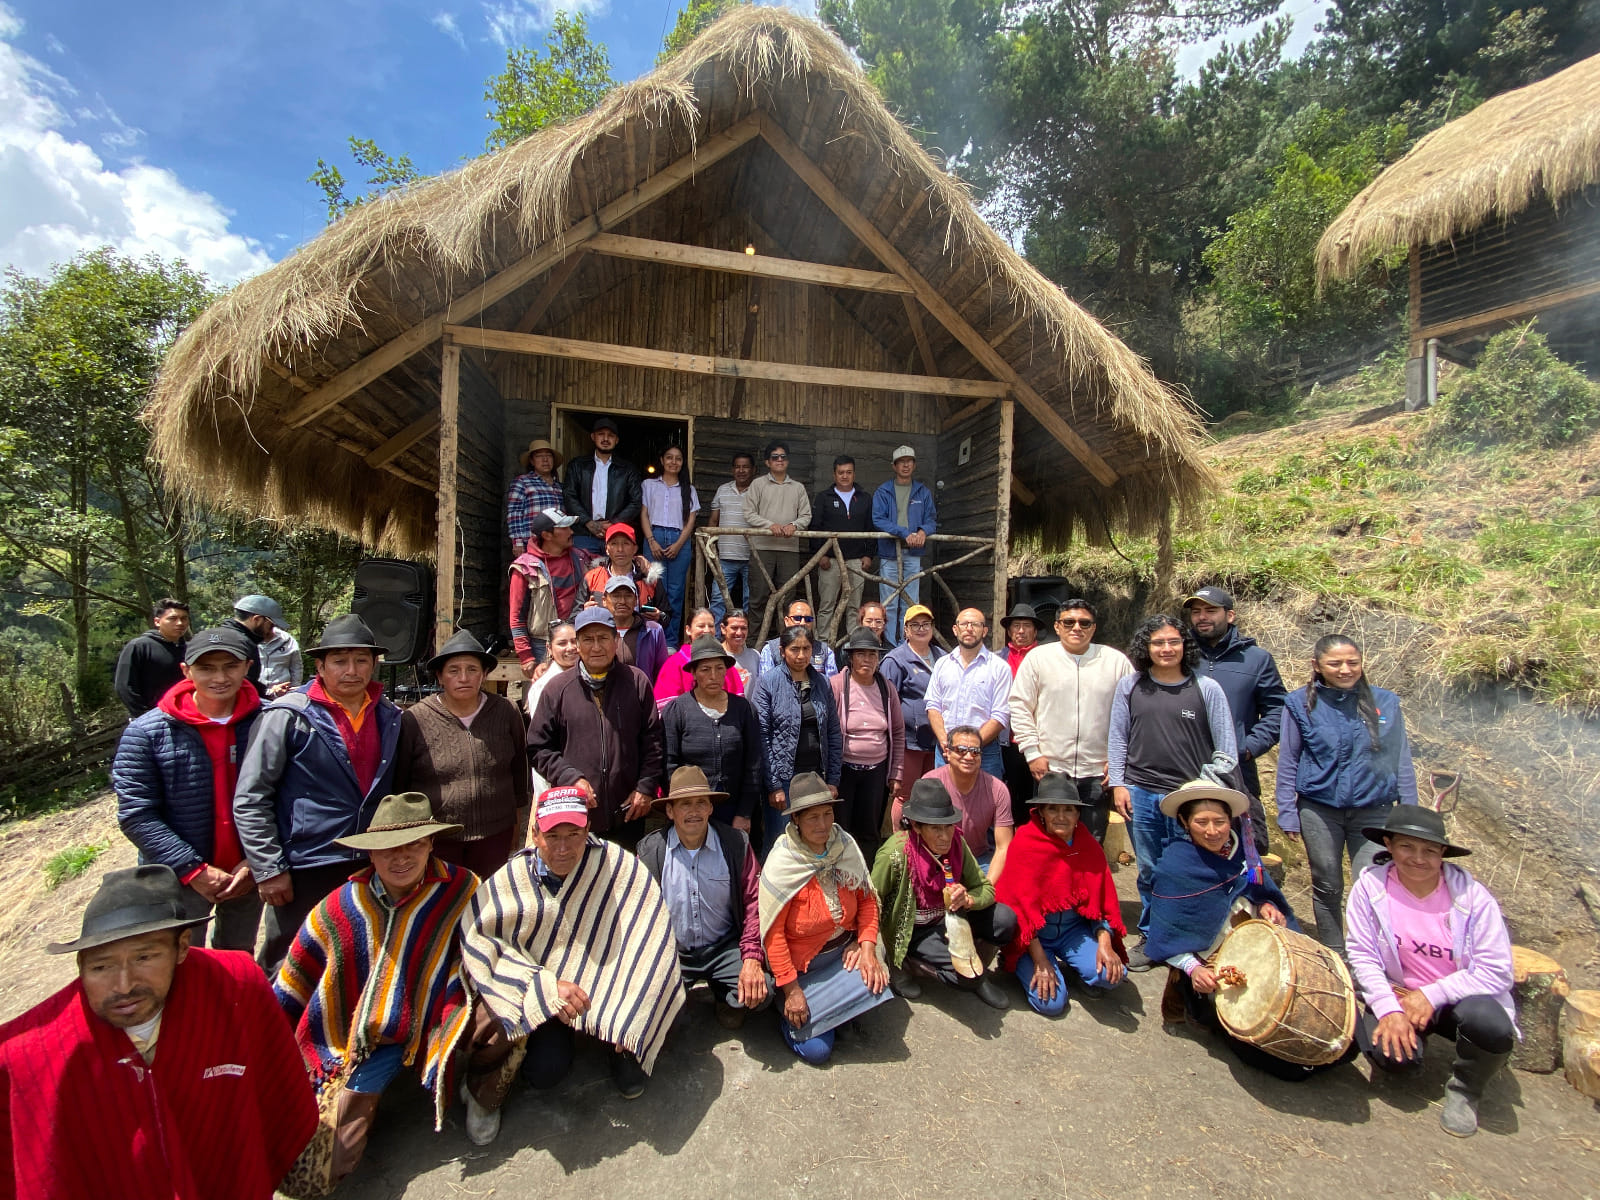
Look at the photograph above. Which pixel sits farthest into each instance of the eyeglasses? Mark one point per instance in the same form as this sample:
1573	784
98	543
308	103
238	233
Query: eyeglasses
969	624
1075	622
965	751
1167	644
777	458
919	626
800	619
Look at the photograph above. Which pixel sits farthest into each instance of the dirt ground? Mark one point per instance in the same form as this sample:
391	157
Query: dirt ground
937	1097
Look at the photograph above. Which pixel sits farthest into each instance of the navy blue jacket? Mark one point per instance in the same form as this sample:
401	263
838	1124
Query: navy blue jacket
297	790
909	676
162	777
1326	755
778	713
1249	678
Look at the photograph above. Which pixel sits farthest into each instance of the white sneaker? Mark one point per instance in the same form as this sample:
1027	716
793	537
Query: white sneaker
483	1124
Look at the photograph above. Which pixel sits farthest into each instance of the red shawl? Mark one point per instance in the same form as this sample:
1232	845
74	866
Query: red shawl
221	1114
1045	875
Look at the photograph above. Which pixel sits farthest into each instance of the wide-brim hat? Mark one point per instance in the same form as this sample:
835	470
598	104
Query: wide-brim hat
462	643
705	648
535	446
688	783
261	606
1056	788
348	632
862	638
1411	820
400	820
807	790
1025	612
131	902
1203	789
930	804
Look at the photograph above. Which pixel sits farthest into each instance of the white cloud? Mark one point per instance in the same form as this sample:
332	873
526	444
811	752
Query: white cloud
514	22
57	196
445	23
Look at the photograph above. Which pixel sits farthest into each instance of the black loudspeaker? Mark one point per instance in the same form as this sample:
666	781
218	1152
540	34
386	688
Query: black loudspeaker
395	599
1046	593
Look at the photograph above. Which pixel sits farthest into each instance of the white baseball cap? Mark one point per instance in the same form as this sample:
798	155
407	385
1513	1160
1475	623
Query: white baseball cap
903	452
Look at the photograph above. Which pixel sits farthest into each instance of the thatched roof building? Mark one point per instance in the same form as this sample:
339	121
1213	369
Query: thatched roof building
381	379
1500	210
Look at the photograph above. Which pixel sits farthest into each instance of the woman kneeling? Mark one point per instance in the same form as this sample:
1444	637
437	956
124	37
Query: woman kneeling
1057	881
1430	954
926	874
819	923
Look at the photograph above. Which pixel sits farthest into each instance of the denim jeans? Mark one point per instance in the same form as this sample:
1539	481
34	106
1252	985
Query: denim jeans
1066	938
1330	834
674	582
992	762
1152	832
737	572
894	604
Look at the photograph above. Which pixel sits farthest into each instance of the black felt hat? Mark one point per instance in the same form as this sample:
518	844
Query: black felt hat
930	804
348	632
1020	612
131	902
1056	788
1412	820
462	643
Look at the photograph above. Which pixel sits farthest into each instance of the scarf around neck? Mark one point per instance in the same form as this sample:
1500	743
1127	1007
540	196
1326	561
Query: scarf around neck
792	864
929	877
1045	875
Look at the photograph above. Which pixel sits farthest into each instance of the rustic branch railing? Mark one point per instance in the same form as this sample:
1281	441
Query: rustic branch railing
706	557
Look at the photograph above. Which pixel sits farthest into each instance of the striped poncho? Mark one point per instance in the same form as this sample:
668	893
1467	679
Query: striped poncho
363	973
605	929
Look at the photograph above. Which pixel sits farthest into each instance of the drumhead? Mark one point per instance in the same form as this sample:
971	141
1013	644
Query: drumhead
1255	948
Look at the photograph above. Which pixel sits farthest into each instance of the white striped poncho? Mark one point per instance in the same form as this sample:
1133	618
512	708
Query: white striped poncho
606	929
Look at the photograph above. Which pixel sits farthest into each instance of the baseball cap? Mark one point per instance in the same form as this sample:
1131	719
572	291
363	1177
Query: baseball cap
547	519
261	606
229	641
604	423
903	452
918	610
623	528
1209	595
594	616
616	583
563	806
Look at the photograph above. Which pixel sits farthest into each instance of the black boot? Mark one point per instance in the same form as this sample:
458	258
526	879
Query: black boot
1473	1070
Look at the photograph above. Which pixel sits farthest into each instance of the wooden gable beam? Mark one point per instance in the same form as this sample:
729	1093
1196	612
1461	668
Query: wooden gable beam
855	221
728	368
427	331
553	286
408	437
791	270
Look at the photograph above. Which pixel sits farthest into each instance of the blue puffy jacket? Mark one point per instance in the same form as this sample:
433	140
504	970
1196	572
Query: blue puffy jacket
778	713
1326	755
162	777
297	791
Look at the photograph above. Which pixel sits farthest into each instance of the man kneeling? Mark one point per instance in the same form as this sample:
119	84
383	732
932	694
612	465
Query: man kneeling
571	936
713	897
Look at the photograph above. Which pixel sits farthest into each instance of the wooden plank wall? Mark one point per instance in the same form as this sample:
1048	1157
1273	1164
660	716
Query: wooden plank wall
481	480
967	505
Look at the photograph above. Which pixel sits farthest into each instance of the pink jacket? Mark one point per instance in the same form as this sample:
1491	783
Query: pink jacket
674	679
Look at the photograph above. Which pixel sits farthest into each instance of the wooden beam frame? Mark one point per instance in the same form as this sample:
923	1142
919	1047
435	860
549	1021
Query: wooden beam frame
1506	312
1002	518
1021	490
924	347
404	440
790	270
962	414
559	278
868	233
401	347
449	438
728	368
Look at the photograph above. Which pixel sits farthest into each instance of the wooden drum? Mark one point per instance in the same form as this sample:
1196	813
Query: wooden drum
1286	993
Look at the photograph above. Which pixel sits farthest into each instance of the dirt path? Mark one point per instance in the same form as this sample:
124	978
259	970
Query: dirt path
940	1097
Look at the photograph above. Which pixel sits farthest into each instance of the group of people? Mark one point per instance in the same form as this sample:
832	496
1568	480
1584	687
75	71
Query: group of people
576	532
470	892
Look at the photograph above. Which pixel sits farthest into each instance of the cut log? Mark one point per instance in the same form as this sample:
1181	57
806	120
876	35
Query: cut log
1580	1042
1539	989
1119	850
1273	864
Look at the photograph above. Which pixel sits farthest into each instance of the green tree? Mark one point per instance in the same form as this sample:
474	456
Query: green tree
693	20
84	522
386	173
539	88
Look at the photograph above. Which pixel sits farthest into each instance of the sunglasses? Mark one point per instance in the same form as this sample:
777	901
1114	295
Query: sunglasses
799	620
966	751
777	458
1075	622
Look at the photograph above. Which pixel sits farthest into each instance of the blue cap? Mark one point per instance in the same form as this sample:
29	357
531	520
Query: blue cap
594	616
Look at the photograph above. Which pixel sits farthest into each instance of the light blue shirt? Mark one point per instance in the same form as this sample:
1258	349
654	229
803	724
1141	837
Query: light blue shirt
971	695
699	892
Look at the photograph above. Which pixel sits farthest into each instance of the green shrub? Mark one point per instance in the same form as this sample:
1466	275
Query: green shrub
69	864
1520	394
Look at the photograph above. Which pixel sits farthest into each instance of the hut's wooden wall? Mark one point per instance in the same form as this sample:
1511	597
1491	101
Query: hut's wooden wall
967	505
480	509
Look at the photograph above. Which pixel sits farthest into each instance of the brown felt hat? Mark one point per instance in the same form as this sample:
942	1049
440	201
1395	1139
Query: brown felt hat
688	783
399	821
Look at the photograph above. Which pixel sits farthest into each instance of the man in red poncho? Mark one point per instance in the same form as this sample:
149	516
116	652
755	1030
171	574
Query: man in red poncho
1058	882
163	1073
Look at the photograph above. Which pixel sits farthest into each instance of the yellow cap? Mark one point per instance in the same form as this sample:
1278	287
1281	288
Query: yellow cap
918	610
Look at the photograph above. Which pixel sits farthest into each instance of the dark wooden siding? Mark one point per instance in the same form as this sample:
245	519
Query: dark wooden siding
480	508
967	505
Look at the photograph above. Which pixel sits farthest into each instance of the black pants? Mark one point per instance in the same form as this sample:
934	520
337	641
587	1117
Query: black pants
552	1047
996	924
1019	781
860	808
783	565
280	923
1476	1019
718	965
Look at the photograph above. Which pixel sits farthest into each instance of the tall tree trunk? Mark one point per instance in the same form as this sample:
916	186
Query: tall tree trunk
178	539
130	538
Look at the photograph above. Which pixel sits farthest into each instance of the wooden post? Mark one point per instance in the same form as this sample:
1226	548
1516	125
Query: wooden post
1416	368
1580	1042
449	436
1002	520
1539	989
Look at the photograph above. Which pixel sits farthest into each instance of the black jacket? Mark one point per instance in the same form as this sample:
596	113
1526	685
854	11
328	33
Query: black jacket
1249	677
829	513
728	751
624	491
146	668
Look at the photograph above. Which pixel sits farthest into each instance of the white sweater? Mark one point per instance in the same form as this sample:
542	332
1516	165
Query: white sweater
1061	706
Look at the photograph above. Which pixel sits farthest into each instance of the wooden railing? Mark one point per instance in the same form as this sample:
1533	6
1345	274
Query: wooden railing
706	555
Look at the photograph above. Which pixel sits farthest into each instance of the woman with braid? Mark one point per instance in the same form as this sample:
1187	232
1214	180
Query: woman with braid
1343	763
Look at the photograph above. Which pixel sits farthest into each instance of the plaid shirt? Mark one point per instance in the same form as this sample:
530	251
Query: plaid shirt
529	494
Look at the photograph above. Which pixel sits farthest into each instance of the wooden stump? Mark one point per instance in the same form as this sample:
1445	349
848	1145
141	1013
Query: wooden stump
1273	864
1580	1042
1540	989
1118	847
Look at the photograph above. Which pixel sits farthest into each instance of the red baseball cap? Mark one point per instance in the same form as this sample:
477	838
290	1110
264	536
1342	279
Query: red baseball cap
563	806
623	528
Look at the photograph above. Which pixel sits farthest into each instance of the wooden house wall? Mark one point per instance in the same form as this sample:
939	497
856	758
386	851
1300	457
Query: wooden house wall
968	504
1540	252
480	510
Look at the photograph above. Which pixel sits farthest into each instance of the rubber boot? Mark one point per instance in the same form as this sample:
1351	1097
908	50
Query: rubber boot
357	1111
1472	1071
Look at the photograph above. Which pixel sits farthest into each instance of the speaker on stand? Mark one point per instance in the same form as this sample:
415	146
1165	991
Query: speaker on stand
395	599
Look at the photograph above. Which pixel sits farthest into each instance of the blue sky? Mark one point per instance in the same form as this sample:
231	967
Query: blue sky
189	127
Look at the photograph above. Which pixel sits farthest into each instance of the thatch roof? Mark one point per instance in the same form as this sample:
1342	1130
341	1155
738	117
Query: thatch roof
1542	140
216	413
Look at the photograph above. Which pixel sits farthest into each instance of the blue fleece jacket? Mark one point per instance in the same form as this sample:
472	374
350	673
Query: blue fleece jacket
1326	756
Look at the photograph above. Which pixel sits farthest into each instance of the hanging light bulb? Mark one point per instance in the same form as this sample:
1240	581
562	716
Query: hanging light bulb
750	248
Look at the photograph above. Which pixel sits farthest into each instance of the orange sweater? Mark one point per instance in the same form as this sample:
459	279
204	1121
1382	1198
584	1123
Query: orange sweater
806	927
